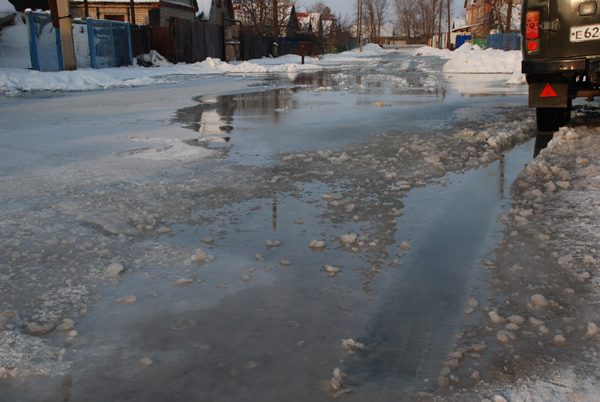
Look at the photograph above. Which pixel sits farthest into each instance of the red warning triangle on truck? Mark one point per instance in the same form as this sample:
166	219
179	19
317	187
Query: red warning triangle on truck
548	92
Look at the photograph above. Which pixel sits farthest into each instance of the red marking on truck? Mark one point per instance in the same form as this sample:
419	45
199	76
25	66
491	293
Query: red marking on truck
548	92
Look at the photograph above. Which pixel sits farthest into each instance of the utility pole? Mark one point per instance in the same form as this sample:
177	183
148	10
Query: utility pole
275	27
440	24
508	16
59	11
360	23
449	27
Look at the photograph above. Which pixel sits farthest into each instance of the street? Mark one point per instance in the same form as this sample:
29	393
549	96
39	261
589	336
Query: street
294	237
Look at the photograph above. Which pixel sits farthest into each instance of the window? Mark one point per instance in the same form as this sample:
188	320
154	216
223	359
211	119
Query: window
115	18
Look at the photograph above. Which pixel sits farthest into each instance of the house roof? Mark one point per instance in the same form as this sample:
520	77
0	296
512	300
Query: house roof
119	1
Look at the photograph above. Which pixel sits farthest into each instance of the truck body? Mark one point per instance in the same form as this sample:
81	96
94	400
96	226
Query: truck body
561	56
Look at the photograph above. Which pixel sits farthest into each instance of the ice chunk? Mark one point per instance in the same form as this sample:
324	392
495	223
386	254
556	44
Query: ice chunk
274	243
498	398
259	257
129	299
405	246
505	336
184	282
114	270
251	365
348	239
207	240
536	322
145	361
350	207
543	237
317	244
66	325
433	159
326	197
338	379
245	278
559	340
163	230
592	330
285	263
496	319
332	271
512	327
539	301
473	303
586	276
201	255
515	319
350	344
39	329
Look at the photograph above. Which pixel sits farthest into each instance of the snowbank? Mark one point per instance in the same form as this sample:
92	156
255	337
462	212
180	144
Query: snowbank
19	79
472	59
6	9
14	45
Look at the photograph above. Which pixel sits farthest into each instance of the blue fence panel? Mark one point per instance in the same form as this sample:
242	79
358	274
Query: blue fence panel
508	41
45	46
122	44
110	43
461	39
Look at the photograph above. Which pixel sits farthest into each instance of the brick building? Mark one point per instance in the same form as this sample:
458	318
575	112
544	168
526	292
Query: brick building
146	12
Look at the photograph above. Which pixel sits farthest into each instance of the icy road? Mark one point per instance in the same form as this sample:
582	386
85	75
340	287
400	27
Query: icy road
280	237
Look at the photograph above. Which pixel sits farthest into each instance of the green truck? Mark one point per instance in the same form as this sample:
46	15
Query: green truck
561	56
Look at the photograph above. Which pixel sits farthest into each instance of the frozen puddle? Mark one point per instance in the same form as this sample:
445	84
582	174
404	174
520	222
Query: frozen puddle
244	324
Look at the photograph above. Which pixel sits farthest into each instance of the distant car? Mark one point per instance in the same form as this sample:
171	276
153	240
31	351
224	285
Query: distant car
561	56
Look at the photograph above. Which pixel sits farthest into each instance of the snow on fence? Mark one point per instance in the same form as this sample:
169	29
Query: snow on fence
45	45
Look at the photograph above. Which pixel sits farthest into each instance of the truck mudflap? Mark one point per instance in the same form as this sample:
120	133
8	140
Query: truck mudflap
548	95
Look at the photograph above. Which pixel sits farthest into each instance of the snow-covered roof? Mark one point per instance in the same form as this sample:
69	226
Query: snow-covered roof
204	7
458	23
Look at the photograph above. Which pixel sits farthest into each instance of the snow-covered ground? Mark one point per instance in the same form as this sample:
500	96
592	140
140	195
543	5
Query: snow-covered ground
15	61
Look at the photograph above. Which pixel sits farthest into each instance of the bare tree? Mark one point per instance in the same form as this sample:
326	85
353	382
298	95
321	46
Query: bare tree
421	18
375	15
257	15
503	15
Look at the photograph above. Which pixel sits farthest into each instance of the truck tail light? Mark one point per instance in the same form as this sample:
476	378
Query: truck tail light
532	20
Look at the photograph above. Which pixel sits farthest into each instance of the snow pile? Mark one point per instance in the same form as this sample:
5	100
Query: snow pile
285	64
6	9
431	51
14	45
472	59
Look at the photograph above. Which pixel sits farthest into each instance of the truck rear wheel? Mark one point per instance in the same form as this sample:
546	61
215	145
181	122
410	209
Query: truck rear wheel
551	119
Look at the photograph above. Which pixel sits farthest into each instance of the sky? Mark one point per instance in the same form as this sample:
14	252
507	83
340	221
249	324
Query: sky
348	7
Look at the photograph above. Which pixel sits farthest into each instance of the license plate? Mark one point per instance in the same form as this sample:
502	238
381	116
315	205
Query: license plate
585	33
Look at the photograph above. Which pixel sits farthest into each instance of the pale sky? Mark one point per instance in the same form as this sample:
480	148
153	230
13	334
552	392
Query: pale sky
348	7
